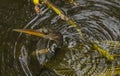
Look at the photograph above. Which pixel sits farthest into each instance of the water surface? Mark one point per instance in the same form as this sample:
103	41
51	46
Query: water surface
99	21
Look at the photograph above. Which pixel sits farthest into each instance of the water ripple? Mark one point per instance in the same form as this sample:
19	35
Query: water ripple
99	21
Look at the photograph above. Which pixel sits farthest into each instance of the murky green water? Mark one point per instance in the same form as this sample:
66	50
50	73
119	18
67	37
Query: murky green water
99	21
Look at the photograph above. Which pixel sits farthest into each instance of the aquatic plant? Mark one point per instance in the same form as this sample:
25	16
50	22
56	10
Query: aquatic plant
73	24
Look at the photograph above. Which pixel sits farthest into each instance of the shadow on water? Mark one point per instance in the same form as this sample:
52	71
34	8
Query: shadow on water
98	19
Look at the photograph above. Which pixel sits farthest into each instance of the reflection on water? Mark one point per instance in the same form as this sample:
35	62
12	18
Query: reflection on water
99	20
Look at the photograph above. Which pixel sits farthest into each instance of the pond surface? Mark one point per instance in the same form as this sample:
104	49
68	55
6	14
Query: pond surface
99	20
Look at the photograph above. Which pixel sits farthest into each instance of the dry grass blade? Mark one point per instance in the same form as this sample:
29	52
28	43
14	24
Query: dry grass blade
103	52
63	17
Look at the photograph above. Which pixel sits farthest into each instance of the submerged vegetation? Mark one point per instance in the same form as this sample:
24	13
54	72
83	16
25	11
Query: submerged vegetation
53	36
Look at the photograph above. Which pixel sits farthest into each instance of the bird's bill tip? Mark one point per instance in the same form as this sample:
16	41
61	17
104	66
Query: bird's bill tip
31	32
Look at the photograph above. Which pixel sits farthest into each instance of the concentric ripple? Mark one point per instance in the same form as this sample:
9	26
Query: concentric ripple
99	20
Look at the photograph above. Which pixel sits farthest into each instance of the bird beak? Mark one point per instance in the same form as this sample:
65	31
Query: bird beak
31	32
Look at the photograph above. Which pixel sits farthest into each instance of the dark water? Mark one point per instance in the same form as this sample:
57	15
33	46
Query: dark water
98	19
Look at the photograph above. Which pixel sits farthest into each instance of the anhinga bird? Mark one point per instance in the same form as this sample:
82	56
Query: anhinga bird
45	52
46	35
